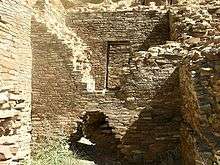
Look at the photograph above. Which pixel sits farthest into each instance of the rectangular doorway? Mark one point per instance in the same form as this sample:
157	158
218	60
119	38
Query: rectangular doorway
118	60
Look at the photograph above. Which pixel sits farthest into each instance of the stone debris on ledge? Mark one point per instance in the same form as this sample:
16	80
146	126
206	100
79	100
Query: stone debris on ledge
117	8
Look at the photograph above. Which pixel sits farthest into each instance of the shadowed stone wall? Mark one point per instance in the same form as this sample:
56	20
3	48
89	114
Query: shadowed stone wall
139	83
198	29
142	108
54	85
200	130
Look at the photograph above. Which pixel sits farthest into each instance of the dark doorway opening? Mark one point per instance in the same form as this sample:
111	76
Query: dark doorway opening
118	61
95	139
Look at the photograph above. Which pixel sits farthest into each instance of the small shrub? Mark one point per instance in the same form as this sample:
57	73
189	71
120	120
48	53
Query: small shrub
53	152
212	119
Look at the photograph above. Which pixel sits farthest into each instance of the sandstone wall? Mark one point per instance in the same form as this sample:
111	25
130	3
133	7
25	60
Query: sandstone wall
199	132
142	108
54	85
15	81
58	74
143	115
142	29
152	89
197	28
53	16
137	83
142	99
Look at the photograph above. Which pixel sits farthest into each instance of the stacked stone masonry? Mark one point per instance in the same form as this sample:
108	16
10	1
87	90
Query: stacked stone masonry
112	104
54	86
198	29
15	82
98	28
137	112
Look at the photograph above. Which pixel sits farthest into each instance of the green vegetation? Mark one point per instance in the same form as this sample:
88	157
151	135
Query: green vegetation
53	152
212	119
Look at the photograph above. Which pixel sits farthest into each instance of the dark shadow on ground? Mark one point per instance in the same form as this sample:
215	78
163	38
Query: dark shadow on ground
95	127
157	124
153	137
85	151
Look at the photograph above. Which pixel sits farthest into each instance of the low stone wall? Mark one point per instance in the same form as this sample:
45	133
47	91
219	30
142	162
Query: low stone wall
15	82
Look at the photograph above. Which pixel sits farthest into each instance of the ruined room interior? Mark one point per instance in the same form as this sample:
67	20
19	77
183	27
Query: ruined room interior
138	80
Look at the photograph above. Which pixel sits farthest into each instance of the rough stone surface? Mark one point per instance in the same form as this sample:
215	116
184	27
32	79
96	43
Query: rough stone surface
51	77
98	29
197	28
15	81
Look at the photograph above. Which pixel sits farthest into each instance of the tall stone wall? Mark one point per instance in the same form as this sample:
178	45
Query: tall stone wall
137	94
54	85
142	28
144	101
197	28
200	131
15	81
58	74
140	87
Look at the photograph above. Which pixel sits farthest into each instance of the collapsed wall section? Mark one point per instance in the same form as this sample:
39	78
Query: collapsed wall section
200	131
197	28
152	89
15	81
